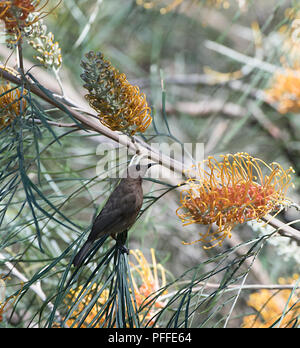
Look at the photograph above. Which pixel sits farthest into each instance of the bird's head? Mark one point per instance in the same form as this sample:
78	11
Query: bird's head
136	171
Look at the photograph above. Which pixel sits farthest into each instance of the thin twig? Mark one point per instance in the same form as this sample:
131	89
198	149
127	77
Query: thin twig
254	287
88	25
283	229
239	290
58	124
267	124
58	79
231	287
36	288
208	107
20	56
209	80
242	58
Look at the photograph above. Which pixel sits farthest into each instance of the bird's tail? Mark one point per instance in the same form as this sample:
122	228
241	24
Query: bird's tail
82	253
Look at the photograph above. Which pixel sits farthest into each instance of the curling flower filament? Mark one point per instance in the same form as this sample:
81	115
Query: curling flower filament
285	91
147	281
269	307
120	106
12	104
231	191
15	14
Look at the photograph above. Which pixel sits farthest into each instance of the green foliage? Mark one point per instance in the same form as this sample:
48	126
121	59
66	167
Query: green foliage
50	190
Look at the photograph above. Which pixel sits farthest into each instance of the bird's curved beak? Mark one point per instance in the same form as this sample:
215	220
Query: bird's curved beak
151	164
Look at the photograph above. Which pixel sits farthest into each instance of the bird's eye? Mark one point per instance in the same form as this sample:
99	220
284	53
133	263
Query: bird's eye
138	167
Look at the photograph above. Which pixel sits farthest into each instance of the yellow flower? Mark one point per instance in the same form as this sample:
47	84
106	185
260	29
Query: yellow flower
270	306
5	301
231	191
15	12
120	106
146	282
285	91
16	15
12	104
146	279
43	42
85	302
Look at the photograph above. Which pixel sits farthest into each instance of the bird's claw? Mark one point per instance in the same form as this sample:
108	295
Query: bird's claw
123	249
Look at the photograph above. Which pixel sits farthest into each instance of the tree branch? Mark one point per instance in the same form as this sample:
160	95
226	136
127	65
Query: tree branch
232	287
283	229
36	288
138	146
135	144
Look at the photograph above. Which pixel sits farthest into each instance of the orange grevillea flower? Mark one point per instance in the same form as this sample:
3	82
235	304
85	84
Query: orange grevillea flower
120	106
147	278
14	13
270	306
231	191
5	301
88	296
12	104
285	90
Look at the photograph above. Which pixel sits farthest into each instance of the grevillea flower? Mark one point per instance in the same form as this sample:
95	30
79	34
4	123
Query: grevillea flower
285	90
284	87
270	307
14	13
84	302
43	42
4	300
146	278
231	191
120	106
12	104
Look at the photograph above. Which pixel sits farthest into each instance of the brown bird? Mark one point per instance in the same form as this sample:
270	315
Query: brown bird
120	211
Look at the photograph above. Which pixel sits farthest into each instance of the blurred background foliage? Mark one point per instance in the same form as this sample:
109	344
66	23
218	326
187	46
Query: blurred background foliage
208	68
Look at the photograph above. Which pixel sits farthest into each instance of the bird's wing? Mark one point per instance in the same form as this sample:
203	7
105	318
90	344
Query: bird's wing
116	215
105	222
